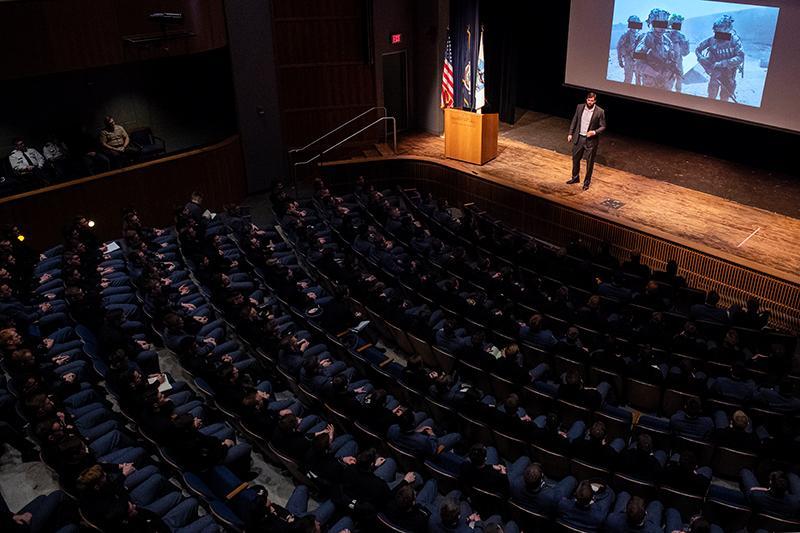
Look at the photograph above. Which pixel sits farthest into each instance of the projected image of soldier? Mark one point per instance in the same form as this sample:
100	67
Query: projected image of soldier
654	58
722	57
626	46
680	48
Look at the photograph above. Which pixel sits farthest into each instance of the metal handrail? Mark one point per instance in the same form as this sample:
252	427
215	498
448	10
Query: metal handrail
359	132
312	143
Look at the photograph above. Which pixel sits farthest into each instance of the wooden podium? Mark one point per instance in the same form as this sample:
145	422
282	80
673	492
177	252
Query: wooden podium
469	136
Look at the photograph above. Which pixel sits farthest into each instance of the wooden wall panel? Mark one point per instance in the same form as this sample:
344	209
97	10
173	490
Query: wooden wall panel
48	36
324	76
561	225
154	188
309	9
325	87
303	41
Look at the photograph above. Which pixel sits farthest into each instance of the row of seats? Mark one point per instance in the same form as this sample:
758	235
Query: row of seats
79	433
403	344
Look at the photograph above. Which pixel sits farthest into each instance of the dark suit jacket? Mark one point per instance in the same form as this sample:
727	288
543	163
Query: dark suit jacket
598	124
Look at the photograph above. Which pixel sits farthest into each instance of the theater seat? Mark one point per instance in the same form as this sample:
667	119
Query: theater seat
729	516
773	523
151	145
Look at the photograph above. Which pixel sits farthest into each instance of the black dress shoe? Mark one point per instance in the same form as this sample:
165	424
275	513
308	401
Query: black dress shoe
573	181
585	186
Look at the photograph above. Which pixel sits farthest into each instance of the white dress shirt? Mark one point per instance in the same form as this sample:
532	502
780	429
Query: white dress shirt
20	164
586	119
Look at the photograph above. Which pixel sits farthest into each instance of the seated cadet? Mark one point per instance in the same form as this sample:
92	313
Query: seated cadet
456	516
369	484
781	496
630	515
641	460
734	388
709	310
532	490
481	469
781	397
265	515
596	447
420	438
588	509
683	473
698	524
51	512
738	432
411	511
690	422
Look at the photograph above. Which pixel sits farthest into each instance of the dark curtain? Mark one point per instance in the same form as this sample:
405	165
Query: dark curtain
465	14
500	21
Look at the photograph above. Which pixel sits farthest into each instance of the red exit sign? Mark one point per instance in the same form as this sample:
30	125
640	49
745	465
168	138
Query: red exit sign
397	38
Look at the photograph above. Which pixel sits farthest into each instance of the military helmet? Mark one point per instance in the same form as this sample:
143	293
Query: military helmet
657	14
675	19
634	18
724	24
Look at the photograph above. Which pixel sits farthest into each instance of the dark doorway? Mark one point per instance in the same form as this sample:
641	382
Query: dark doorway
395	87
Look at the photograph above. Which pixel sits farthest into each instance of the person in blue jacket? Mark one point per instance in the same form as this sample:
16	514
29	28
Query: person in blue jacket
588	508
532	490
630	515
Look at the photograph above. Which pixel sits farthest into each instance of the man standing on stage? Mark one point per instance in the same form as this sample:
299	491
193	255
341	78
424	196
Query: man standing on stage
588	124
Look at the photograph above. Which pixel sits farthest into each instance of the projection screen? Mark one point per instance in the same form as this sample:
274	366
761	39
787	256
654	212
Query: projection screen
733	59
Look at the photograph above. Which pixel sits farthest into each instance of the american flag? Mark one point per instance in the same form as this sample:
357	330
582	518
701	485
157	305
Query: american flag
447	98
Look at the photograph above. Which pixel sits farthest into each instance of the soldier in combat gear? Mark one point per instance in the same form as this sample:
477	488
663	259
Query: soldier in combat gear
625	47
722	56
654	57
680	48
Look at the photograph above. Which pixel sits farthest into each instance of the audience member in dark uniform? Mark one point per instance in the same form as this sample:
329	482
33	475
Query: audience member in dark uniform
265	515
670	275
483	470
45	513
738	432
411	511
641	460
750	316
690	421
635	267
596	447
531	489
371	482
734	388
588	507
781	397
572	389
683	473
630	515
709	311
781	496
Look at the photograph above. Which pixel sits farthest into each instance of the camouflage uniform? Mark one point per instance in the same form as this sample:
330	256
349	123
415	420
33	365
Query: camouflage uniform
625	47
680	48
722	56
654	57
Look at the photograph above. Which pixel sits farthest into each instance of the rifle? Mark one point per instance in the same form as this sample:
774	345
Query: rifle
664	64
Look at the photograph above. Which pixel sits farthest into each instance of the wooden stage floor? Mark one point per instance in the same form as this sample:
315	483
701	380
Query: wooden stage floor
749	236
